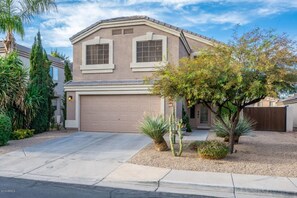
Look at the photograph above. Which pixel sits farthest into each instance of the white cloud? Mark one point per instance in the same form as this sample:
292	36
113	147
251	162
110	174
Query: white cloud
57	28
71	18
223	18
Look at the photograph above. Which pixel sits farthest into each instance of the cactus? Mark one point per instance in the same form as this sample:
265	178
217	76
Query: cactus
175	130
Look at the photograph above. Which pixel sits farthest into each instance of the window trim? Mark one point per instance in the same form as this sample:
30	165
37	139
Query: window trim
97	68
148	66
52	73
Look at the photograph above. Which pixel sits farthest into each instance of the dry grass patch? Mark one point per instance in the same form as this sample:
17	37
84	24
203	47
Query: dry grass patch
261	153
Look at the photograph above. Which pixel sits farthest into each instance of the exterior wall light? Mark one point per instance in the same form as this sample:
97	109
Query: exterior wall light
70	98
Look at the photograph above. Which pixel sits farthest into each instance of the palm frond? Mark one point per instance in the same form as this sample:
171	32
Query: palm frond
33	7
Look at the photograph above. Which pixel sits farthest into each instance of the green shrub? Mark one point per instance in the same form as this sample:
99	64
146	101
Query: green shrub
155	127
244	126
186	120
213	150
22	134
5	129
194	145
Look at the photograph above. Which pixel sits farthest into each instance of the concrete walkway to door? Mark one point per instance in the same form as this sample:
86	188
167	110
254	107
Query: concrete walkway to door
82	157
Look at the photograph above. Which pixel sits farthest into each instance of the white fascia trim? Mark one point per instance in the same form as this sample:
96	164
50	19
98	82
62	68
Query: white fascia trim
101	68
200	39
109	88
101	71
148	66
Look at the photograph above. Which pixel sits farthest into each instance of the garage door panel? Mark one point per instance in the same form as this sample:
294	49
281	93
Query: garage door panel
116	113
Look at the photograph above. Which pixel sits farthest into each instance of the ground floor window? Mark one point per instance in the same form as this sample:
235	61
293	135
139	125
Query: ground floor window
192	112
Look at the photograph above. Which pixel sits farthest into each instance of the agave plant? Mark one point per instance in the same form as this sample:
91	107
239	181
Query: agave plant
155	127
244	127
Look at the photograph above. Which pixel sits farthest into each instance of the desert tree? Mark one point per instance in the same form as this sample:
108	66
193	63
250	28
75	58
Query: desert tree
229	77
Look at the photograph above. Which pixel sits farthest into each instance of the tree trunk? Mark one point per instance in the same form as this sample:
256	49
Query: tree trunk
9	42
231	139
234	121
161	145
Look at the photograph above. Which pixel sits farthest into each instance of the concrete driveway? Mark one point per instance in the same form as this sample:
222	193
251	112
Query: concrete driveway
82	157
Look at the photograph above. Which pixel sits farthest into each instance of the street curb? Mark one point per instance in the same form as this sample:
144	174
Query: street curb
263	192
221	190
193	186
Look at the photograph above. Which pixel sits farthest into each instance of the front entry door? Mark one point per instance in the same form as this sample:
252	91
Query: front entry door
203	116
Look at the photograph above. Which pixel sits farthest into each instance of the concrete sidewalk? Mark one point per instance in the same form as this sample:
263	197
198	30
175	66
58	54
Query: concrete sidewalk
139	177
99	159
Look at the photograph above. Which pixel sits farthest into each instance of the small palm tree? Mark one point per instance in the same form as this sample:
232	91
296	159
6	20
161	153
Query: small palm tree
13	81
13	15
155	128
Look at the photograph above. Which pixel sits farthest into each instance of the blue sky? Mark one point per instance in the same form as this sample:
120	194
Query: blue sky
212	18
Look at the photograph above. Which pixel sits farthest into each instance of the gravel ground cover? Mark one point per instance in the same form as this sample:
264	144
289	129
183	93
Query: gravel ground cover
260	153
36	139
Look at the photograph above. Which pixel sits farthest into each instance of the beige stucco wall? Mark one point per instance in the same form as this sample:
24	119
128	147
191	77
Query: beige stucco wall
196	45
194	122
71	106
122	51
122	55
182	50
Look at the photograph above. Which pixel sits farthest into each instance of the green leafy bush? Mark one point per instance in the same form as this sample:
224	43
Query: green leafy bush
213	150
5	129
186	120
194	145
244	127
22	134
155	127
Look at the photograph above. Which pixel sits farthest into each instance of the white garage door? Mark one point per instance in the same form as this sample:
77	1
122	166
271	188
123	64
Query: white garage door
116	113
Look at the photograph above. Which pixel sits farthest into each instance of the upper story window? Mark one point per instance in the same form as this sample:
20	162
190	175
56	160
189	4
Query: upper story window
97	54
149	51
54	73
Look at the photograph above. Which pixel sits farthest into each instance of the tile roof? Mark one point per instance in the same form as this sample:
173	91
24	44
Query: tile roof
128	18
25	52
290	99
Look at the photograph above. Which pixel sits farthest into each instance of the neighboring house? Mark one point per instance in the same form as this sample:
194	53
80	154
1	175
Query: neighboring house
291	103
111	59
268	102
56	71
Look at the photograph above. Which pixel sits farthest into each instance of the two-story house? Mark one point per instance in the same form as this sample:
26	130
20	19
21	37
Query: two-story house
111	59
56	71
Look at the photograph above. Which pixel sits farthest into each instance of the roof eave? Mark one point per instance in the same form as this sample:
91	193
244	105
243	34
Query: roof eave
139	21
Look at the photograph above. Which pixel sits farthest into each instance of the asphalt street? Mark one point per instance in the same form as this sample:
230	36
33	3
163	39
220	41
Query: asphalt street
23	188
